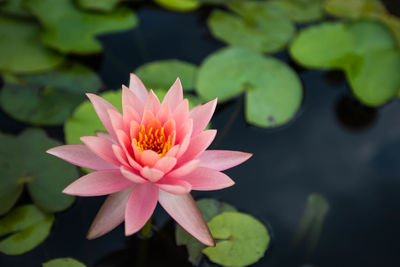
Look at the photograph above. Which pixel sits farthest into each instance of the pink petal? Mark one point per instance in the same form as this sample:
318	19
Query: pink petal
120	155
177	188
105	135
130	116
134	129
165	164
141	204
173	151
116	119
208	179
98	183
201	116
152	174
181	113
101	147
110	215
184	146
197	145
130	100
185	129
124	141
221	160
164	113
174	95
147	117
101	106
185	212
136	85
149	158
131	175
82	156
152	103
185	169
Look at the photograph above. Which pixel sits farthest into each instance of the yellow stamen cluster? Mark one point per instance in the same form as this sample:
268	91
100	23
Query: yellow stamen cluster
153	140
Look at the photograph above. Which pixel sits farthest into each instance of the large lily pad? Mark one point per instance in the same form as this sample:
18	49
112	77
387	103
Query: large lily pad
14	8
375	79
301	10
322	46
273	90
354	9
179	5
209	208
20	49
28	227
243	239
71	30
256	25
161	74
98	5
23	161
48	98
63	262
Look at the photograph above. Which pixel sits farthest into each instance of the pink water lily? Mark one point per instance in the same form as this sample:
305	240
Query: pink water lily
153	152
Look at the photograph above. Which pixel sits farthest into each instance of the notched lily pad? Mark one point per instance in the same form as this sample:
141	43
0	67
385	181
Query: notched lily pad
273	90
301	10
243	239
48	98
28	227
63	262
161	74
71	30
209	208
179	5
256	25
98	5
20	49
24	161
354	9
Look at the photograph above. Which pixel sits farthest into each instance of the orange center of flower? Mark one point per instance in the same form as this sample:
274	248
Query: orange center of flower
155	140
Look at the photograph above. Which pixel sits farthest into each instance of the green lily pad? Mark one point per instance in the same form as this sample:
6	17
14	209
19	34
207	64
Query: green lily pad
84	120
354	9
28	227
273	90
14	8
243	239
312	220
375	79
161	74
257	26
98	5
322	46
48	98
23	161
209	208
301	10
63	262
20	49
71	30
179	5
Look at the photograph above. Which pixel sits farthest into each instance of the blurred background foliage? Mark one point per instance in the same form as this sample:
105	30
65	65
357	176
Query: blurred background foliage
45	47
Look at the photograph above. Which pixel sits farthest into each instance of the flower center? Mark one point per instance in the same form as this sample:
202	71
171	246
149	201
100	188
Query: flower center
155	140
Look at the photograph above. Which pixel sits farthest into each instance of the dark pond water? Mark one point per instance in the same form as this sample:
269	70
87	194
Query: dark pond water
334	146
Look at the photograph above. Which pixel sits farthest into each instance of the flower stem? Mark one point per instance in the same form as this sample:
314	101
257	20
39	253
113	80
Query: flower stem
146	230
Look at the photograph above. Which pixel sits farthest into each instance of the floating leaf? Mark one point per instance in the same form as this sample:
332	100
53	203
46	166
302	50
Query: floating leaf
48	98
179	5
301	10
273	90
71	30
354	9
23	161
322	46
28	227
257	26
209	208
20	49
63	262
98	5
375	79
161	74
312	220
243	239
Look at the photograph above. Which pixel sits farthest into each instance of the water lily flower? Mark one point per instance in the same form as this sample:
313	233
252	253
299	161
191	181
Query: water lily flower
153	152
